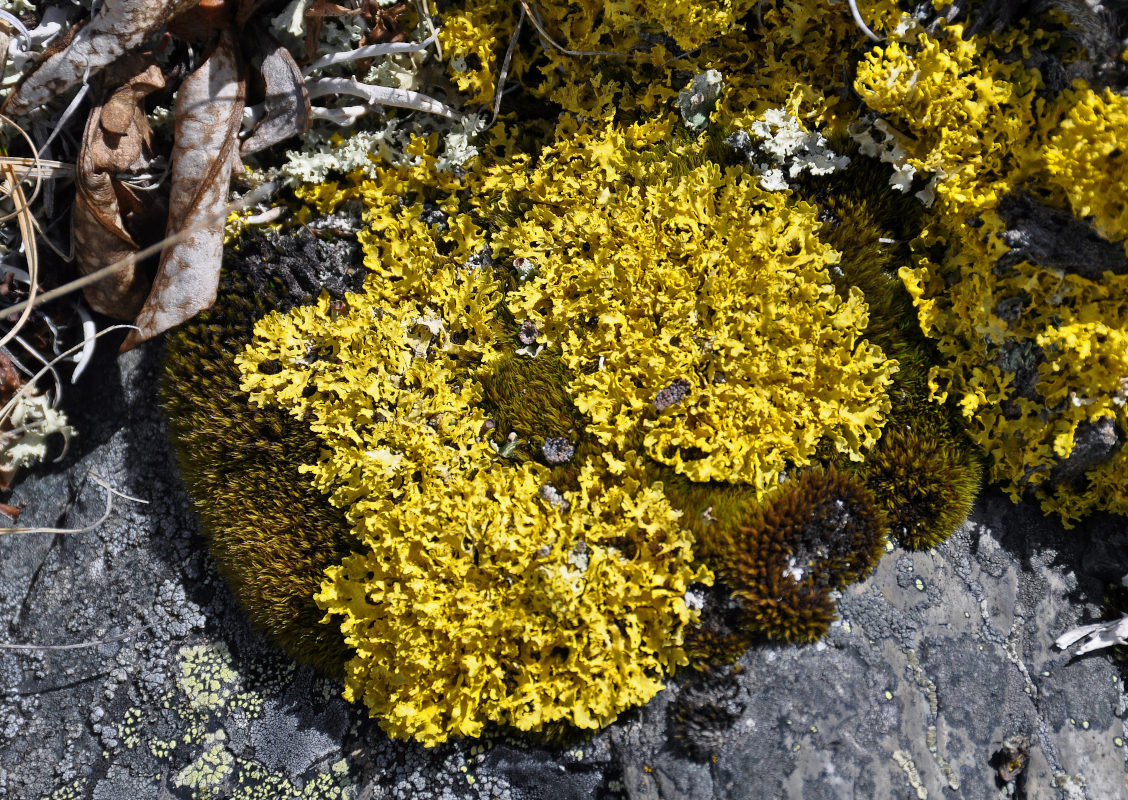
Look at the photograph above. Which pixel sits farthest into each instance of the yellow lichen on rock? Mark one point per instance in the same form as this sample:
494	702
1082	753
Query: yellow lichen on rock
695	324
952	111
1087	159
698	340
484	604
1034	354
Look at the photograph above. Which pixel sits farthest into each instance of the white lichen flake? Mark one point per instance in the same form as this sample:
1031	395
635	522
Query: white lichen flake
34	421
790	150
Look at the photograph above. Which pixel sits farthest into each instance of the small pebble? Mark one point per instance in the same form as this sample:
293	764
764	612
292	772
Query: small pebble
558	450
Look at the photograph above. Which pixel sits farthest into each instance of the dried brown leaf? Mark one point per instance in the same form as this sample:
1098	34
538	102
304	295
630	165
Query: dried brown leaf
203	22
117	140
245	9
118	27
285	98
10	382
209	111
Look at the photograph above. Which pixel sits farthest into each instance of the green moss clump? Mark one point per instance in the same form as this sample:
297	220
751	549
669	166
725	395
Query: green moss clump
272	537
925	483
821	532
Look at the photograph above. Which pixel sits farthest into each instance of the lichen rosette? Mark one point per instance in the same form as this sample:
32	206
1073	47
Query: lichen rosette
491	584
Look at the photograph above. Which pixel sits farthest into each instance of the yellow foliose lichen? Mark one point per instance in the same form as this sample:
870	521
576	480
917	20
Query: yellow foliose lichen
485	604
700	280
1086	158
685	316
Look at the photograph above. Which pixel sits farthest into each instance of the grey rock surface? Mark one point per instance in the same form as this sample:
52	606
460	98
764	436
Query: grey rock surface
938	658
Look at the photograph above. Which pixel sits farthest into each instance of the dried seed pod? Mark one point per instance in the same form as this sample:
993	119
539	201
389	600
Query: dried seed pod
209	110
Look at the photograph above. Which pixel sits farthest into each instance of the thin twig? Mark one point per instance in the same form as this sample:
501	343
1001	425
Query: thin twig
68	256
539	25
378	95
32	170
426	14
110	493
27	233
43	167
68	112
89	334
249	199
79	645
505	67
39	357
544	34
861	23
6	411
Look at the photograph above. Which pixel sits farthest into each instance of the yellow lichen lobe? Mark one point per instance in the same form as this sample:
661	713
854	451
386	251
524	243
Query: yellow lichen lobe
1087	158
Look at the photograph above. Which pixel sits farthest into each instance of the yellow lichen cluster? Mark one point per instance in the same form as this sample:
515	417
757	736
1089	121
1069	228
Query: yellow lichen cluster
546	595
955	111
1033	353
699	326
1086	157
482	603
645	279
471	31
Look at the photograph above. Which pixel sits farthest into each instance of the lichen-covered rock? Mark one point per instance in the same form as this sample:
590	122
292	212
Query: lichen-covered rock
704	341
978	616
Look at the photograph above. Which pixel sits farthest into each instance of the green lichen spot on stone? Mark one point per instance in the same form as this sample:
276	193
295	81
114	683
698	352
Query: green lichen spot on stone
207	774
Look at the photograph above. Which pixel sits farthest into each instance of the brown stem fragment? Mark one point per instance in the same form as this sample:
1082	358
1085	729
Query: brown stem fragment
209	110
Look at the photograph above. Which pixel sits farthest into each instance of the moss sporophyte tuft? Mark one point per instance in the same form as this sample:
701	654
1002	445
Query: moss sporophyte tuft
620	395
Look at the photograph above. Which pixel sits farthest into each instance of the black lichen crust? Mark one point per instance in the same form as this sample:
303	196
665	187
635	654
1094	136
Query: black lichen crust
702	714
271	535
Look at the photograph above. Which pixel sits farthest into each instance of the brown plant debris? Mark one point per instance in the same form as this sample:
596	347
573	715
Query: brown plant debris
209	110
117	140
118	27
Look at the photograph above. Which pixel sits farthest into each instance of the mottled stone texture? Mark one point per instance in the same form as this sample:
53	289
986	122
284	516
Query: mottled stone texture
939	657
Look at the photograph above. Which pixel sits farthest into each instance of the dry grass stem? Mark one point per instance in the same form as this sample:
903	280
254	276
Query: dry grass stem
250	199
6	411
111	492
505	66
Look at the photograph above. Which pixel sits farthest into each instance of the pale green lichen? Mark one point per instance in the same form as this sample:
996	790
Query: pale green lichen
34	420
207	691
208	774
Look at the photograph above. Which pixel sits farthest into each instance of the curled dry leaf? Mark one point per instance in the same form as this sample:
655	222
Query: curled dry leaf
118	27
209	110
117	140
285	99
